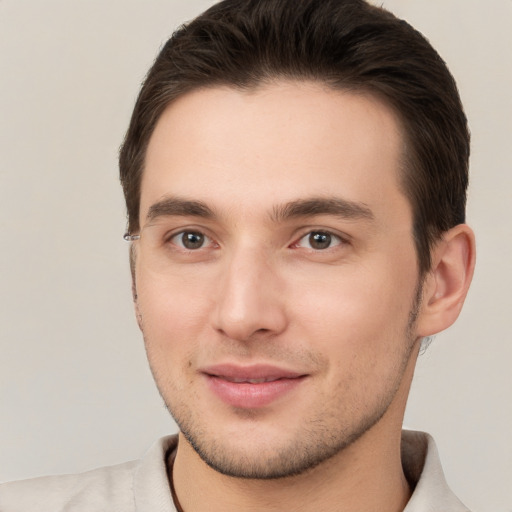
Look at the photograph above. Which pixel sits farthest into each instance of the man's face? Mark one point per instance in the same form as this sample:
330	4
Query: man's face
276	275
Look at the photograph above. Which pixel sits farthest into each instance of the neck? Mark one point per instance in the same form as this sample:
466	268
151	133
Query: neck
366	476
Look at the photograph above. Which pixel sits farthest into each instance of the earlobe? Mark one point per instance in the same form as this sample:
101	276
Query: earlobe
446	285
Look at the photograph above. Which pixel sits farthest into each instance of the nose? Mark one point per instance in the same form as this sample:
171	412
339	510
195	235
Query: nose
250	300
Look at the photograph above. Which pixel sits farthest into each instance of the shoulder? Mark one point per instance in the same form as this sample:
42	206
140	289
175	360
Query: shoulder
422	468
90	491
106	488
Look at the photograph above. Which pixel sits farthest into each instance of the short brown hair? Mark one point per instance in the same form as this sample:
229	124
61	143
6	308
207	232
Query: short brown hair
346	44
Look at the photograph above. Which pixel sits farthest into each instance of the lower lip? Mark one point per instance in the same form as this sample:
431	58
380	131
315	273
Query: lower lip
246	395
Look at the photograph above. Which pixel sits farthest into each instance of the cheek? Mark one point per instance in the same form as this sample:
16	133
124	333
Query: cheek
179	297
170	329
173	315
354	311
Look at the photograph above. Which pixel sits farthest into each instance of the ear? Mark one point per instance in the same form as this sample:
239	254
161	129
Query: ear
446	285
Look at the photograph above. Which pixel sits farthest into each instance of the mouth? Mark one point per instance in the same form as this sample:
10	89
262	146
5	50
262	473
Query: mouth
251	387
247	380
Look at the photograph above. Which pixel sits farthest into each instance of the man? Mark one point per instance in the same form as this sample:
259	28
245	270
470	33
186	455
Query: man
295	174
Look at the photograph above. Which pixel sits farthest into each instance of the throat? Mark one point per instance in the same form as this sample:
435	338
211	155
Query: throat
335	486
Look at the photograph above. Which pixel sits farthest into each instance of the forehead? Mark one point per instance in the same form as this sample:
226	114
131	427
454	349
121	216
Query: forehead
273	144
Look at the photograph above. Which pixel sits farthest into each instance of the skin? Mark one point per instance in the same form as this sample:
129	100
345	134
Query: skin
347	316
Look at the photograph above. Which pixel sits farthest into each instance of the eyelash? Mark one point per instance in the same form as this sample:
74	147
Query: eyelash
340	240
190	232
313	232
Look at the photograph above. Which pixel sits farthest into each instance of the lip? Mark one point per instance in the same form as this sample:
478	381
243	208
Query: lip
251	387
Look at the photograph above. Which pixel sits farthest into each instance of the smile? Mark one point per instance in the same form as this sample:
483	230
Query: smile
251	387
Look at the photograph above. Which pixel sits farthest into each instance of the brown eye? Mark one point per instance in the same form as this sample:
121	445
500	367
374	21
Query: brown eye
319	240
190	240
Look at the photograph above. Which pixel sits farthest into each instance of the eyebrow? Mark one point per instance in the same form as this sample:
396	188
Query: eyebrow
176	206
335	206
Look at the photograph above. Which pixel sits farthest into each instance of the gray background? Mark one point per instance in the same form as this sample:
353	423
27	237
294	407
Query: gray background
75	390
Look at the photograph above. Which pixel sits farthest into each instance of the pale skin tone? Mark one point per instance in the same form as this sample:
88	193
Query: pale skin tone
299	256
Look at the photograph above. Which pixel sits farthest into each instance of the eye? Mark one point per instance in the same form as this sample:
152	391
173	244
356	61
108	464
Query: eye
319	240
191	240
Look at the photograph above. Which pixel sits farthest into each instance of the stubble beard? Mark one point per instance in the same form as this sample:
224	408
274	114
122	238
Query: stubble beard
318	441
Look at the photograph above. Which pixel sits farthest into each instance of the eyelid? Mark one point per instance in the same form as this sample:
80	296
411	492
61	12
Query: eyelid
177	239
209	241
168	234
162	234
168	230
343	238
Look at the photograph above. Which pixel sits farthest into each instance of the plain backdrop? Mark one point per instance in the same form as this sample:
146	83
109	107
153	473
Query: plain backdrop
75	389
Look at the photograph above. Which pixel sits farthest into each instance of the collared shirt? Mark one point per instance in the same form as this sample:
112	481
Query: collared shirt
143	486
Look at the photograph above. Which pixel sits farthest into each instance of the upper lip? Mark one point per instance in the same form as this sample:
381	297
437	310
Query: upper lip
254	372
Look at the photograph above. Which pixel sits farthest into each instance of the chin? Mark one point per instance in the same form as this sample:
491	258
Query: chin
272	453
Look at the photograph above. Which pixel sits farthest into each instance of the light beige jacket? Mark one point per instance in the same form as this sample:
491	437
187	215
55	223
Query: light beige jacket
142	486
